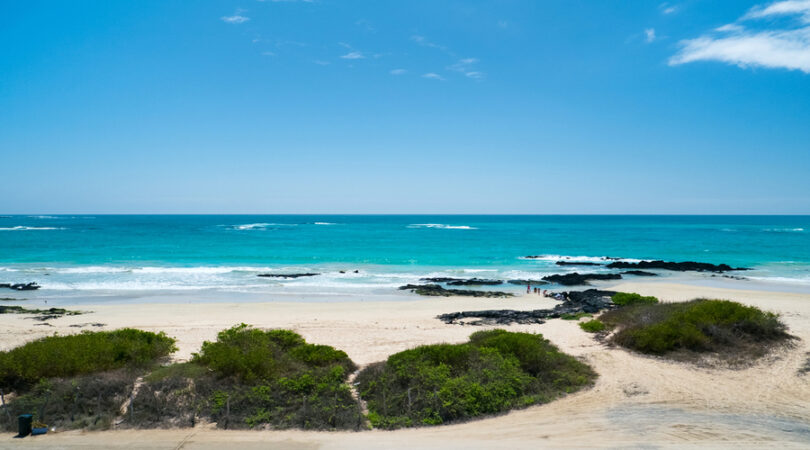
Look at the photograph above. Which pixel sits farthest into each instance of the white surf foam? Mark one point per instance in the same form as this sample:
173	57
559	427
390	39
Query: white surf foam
25	228
441	226
594	259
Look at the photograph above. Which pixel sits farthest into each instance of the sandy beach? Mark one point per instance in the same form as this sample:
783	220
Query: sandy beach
637	401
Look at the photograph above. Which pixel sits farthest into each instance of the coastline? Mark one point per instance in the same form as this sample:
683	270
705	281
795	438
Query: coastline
637	400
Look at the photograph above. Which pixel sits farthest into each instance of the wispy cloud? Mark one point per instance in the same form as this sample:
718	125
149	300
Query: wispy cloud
236	18
320	62
465	66
433	76
423	41
667	8
353	55
397	72
649	34
750	42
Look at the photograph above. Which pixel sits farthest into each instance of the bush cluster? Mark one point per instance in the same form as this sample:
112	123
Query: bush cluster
627	298
593	326
253	378
495	371
699	325
78	354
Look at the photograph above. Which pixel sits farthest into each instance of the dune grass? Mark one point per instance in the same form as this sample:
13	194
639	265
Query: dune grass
493	372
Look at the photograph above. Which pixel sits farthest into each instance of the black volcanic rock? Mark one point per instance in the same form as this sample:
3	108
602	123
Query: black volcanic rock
589	301
575	263
287	275
639	273
475	282
434	290
441	279
21	286
525	282
575	279
674	266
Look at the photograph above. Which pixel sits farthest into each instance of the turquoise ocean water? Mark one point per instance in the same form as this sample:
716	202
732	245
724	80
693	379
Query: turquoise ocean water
100	253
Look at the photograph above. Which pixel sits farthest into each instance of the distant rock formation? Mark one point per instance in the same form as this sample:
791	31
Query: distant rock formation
674	266
21	286
575	279
434	290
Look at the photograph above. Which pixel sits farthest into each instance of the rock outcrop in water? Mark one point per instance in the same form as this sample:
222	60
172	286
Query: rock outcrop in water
463	281
686	266
577	263
287	275
434	290
21	286
639	273
590	301
576	279
527	282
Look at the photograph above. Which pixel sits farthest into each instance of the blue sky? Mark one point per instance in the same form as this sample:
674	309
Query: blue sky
330	106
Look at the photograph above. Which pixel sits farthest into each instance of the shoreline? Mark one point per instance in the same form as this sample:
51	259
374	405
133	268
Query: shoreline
637	400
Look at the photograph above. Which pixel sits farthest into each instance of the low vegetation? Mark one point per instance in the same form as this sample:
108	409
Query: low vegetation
251	378
79	354
493	372
593	326
626	299
729	330
78	381
575	316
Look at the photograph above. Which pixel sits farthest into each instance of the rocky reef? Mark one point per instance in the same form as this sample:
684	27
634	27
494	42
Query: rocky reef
21	286
686	266
575	302
639	273
576	279
434	290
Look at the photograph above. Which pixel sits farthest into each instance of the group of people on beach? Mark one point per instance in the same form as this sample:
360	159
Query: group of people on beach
544	292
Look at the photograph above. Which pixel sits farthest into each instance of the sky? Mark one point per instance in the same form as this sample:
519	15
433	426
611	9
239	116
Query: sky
418	106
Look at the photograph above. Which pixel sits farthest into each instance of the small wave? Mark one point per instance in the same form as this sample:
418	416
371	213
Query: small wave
324	223
258	226
783	230
43	217
24	228
441	226
595	259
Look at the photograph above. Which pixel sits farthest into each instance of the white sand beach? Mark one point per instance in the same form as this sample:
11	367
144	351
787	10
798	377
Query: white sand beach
637	401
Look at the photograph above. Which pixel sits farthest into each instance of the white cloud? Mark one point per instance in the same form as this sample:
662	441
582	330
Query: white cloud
465	66
667	8
755	44
353	55
785	7
423	41
433	76
235	19
649	34
398	71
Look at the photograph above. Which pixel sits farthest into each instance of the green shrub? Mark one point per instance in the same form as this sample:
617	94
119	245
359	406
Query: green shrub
724	327
253	378
593	326
89	402
250	354
627	298
78	354
495	371
576	316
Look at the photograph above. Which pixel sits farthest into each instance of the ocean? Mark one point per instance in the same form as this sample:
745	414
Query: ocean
103	254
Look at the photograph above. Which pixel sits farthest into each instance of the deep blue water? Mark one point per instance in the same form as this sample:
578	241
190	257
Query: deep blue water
218	251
